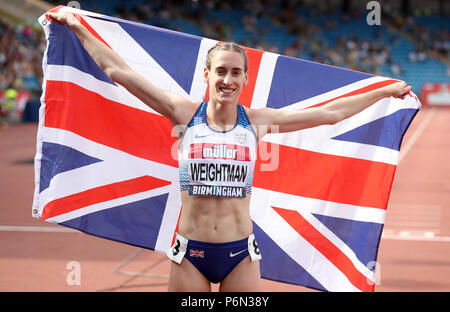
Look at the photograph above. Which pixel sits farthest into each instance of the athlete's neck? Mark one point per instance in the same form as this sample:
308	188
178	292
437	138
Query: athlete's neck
221	116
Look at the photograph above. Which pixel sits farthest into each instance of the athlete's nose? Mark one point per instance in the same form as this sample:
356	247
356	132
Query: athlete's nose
227	79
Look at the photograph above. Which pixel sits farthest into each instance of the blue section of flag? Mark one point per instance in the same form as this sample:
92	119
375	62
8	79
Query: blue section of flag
277	265
296	80
57	158
386	131
65	49
175	52
135	223
362	237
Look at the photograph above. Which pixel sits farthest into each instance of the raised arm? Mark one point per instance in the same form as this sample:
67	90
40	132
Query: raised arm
328	114
175	107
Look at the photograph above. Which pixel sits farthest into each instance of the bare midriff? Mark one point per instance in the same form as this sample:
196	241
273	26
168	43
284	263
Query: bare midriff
215	219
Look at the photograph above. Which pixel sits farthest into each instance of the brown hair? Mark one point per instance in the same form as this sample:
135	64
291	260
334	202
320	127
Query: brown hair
226	46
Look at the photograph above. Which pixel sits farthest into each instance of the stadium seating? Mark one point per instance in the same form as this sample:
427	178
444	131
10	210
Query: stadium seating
415	74
191	17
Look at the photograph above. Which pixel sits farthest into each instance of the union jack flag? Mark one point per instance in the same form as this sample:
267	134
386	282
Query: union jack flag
106	163
196	253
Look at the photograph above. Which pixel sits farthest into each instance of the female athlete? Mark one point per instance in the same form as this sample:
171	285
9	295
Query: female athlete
217	151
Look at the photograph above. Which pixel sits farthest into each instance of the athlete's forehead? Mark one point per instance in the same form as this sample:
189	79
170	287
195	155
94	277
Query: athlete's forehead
226	46
228	60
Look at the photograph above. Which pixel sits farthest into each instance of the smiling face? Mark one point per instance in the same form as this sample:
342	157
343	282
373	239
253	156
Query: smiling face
226	77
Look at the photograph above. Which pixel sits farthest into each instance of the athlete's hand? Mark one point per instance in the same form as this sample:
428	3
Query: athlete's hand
398	90
64	18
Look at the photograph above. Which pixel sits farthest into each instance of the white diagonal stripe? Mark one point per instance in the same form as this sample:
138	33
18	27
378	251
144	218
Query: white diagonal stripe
109	204
288	239
264	80
310	205
262	213
137	58
326	96
116	166
108	91
198	87
319	139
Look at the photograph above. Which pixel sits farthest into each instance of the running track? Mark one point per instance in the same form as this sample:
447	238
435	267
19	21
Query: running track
414	254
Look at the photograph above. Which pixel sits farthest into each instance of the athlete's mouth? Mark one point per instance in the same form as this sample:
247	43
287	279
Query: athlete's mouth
226	90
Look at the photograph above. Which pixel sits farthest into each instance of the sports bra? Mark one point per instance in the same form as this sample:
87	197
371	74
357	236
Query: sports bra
217	163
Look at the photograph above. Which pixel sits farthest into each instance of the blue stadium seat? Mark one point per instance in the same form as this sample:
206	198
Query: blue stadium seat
414	74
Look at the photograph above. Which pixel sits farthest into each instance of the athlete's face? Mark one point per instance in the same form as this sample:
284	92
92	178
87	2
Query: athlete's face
226	77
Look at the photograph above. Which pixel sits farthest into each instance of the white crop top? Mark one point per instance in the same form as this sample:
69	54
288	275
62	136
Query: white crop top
217	163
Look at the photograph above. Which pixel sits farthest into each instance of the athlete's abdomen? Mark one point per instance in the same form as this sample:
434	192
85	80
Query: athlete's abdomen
215	220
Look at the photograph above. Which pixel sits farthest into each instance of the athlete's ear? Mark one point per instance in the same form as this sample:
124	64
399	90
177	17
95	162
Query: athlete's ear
205	74
246	78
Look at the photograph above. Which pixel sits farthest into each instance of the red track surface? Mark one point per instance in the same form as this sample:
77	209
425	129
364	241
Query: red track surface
413	256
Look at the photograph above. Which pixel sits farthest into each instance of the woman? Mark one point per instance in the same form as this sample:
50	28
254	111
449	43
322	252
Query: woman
216	155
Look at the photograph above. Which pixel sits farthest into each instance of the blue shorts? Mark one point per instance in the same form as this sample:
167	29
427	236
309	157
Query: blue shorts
214	260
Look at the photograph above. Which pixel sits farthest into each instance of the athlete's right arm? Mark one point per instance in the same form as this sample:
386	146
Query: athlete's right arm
175	107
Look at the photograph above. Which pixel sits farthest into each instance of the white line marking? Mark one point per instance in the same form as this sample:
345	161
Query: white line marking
415	136
131	273
417	238
25	228
423	236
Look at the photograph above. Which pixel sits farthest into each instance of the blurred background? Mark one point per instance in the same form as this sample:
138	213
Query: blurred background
409	40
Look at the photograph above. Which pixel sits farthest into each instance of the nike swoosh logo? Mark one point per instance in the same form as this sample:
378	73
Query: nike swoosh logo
201	136
235	254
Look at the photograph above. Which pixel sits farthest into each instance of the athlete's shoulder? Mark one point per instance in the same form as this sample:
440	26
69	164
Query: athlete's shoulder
197	105
259	116
197	114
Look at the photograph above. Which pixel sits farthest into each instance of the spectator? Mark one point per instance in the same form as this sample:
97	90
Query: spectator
21	50
418	55
22	47
7	107
396	69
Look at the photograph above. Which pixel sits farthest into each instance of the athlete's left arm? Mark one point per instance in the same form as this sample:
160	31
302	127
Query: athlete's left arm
277	120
